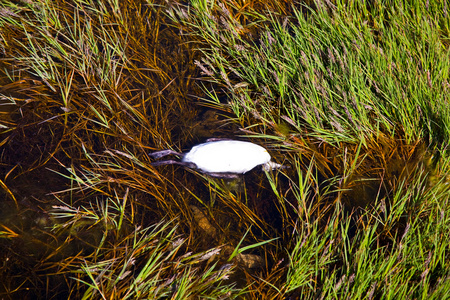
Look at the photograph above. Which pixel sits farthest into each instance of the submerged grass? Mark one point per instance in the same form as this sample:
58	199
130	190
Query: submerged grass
352	98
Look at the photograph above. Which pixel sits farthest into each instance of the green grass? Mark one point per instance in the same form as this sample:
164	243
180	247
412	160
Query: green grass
340	74
352	98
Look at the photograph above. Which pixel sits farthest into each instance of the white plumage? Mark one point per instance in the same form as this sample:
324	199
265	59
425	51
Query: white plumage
227	156
221	158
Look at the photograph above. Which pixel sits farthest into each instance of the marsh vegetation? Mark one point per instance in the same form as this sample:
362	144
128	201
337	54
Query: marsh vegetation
353	98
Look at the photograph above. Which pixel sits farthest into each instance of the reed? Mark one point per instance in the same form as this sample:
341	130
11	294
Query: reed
351	98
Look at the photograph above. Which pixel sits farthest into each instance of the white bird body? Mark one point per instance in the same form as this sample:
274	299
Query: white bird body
227	156
221	158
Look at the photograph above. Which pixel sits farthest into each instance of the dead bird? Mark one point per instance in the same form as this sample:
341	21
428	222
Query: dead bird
221	158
